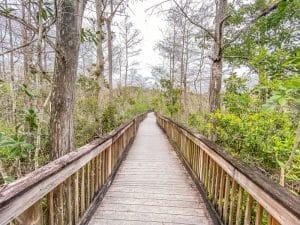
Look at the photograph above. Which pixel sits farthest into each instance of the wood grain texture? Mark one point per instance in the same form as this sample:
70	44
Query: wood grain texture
34	186
276	200
151	186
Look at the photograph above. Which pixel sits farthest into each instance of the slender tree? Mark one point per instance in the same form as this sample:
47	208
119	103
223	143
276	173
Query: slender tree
68	27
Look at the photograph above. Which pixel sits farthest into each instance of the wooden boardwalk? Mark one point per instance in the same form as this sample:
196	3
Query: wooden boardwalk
151	186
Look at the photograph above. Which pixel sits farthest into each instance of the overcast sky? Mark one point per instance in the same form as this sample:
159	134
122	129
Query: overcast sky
150	27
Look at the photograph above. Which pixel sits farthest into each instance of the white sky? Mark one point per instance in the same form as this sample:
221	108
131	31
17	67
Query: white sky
150	27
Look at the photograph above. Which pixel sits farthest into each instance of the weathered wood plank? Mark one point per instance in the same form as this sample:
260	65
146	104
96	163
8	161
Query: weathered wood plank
239	209
232	203
248	210
50	212
274	199
69	202
151	183
82	191
226	199
259	214
58	205
76	197
37	184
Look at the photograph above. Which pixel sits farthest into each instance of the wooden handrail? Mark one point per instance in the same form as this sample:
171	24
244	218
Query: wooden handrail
63	191
238	193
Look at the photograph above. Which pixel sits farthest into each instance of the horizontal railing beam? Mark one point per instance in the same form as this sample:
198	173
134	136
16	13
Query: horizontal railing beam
276	200
24	193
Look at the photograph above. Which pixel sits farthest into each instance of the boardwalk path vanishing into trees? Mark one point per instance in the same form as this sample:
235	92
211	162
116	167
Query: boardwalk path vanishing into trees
152	187
192	181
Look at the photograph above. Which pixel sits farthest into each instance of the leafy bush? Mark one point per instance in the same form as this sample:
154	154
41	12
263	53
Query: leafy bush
265	137
109	118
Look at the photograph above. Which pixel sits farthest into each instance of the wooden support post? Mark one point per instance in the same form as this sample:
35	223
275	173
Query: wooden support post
69	216
226	199
32	215
221	192
217	187
201	165
50	207
239	206
213	179
100	171
92	178
109	160
232	202
259	214
248	211
76	197
82	191
58	207
88	184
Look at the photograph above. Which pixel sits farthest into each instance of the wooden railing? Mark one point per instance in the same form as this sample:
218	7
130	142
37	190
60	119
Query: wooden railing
238	194
67	190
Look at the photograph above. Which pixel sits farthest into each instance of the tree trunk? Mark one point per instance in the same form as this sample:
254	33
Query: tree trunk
66	61
3	69
126	65
110	66
69	20
12	76
173	57
185	96
38	78
100	63
126	52
216	71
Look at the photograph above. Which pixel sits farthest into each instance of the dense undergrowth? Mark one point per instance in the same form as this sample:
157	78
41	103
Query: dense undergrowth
261	133
24	140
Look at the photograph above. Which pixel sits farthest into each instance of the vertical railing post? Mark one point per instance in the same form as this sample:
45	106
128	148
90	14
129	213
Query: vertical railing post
32	216
110	159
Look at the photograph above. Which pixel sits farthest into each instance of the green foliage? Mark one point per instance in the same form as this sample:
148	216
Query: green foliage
28	117
199	121
249	131
171	96
16	146
7	10
259	133
87	35
237	96
265	137
46	11
109	120
85	119
137	105
86	110
24	88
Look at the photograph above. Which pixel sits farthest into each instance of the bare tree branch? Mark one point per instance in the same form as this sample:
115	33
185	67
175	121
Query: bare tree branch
19	47
19	20
193	22
116	9
27	25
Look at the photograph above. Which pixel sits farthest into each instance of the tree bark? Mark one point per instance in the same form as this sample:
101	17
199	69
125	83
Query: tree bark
182	72
126	54
12	75
110	66
69	20
100	62
185	91
216	71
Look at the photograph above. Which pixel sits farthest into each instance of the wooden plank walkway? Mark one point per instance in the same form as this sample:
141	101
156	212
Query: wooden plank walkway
151	186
